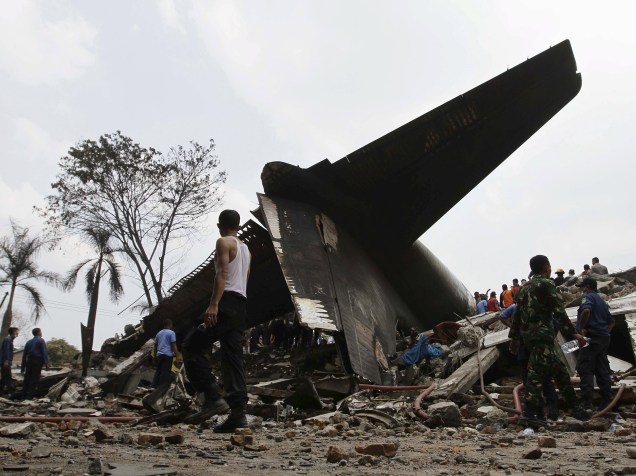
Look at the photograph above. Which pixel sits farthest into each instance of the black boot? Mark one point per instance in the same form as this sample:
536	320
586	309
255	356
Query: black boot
531	418
553	412
581	413
236	419
209	409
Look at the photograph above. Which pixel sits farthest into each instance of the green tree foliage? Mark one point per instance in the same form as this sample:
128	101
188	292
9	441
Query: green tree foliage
18	271
61	353
149	202
101	265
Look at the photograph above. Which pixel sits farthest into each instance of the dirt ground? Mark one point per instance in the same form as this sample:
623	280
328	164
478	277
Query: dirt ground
288	448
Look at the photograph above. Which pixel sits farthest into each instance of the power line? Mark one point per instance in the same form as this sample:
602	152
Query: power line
69	307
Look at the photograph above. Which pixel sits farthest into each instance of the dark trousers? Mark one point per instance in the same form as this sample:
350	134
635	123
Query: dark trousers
229	331
6	379
593	363
544	363
32	376
164	370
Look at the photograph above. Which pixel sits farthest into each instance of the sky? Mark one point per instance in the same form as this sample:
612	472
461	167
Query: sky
300	81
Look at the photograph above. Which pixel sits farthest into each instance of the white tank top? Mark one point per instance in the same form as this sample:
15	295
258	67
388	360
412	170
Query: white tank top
238	268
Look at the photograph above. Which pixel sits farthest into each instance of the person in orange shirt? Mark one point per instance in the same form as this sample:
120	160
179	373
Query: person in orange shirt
506	298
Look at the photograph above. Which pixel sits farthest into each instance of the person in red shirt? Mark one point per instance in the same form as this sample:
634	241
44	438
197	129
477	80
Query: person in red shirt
493	305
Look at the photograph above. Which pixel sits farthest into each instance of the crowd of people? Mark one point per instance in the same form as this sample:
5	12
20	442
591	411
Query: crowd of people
535	314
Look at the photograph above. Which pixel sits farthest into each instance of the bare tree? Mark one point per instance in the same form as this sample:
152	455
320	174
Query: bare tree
147	201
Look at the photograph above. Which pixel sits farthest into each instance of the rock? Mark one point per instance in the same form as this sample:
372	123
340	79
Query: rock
41	451
95	466
126	439
102	434
491	415
368	460
596	424
444	414
17	430
242	440
631	452
533	454
623	432
290	435
72	441
547	442
255	448
152	438
378	449
336	454
488	430
243	431
175	438
329	431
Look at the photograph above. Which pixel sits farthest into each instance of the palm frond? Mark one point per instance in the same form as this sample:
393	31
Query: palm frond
90	280
114	280
71	276
36	300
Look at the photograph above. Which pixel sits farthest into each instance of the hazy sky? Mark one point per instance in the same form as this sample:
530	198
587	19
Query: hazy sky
300	81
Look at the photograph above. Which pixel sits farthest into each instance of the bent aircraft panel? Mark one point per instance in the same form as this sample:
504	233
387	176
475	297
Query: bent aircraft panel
334	283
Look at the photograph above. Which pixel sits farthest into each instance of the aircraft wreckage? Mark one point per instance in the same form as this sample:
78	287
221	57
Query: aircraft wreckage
337	243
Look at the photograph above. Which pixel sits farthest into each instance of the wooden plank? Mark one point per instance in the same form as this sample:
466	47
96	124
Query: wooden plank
467	375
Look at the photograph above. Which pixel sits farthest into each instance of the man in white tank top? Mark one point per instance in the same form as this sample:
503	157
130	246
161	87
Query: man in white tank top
225	320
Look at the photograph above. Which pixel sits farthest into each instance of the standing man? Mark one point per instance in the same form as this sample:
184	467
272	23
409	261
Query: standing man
506	298
225	320
6	360
165	351
560	278
515	288
493	305
539	313
595	322
482	305
598	268
34	357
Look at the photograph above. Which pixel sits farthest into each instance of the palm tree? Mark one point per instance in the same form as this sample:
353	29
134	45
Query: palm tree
104	263
17	263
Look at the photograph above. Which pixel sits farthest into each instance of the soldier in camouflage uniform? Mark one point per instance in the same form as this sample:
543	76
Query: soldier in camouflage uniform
540	312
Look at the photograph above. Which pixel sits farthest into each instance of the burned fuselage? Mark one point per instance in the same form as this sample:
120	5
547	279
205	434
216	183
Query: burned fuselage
345	233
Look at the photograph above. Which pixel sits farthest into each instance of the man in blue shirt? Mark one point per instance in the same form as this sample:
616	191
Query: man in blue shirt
165	350
595	322
481	305
34	357
6	360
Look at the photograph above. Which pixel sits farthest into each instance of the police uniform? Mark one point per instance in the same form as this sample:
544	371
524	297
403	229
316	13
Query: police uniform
592	360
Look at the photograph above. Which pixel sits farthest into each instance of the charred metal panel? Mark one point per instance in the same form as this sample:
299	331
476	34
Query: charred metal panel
301	253
334	283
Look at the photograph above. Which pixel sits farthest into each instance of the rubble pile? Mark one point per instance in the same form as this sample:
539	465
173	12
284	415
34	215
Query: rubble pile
303	398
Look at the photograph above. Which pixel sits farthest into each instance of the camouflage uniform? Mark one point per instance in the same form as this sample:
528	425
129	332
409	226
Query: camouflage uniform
541	314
